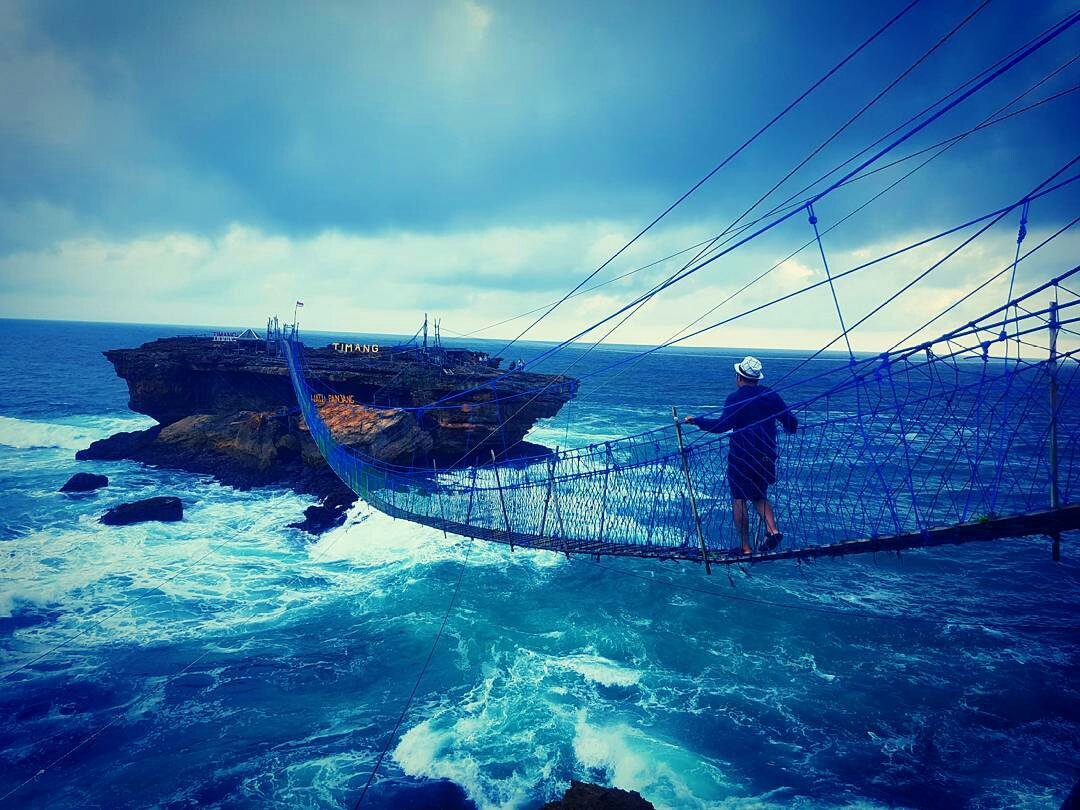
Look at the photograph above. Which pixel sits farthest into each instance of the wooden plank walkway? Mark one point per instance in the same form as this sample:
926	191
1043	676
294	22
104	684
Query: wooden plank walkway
1048	523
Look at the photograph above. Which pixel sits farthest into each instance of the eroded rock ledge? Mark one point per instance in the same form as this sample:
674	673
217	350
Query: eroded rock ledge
231	413
587	796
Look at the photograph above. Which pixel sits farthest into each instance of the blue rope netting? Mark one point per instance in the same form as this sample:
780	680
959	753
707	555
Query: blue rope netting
938	434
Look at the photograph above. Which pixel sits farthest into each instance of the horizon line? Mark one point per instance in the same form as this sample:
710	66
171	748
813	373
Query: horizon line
457	339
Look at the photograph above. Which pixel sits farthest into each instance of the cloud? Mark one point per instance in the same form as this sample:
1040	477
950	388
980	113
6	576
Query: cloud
368	117
384	282
479	17
163	163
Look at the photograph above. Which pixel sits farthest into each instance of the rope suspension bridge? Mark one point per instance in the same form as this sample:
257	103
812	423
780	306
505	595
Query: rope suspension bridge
947	441
970	436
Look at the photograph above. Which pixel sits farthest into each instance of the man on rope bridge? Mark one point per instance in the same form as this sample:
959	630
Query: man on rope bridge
751	411
926	446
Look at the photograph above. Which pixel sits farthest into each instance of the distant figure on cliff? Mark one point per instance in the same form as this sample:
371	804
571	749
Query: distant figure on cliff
751	411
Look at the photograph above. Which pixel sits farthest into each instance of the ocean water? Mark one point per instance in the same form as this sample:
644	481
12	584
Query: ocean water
227	661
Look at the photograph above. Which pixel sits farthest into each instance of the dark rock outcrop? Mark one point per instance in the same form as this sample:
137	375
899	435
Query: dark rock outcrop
173	378
327	515
125	444
232	413
1072	801
163	508
585	796
85	482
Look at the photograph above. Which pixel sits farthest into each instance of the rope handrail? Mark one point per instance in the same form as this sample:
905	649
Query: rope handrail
560	380
1027	51
909	445
849	376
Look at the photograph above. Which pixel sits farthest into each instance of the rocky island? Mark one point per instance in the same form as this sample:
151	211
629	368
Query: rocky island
227	409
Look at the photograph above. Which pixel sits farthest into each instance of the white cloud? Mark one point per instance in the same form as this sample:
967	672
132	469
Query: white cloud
384	282
795	274
478	16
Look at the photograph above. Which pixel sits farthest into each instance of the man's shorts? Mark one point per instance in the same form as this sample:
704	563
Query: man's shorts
749	480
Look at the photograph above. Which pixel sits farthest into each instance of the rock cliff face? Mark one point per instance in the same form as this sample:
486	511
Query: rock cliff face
230	412
173	378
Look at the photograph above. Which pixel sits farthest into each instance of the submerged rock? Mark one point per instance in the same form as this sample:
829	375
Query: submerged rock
328	515
163	508
85	482
419	794
585	796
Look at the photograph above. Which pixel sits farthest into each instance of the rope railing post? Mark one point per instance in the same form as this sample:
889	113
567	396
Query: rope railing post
558	515
472	495
657	493
502	502
886	369
1055	495
553	459
547	492
690	489
604	495
438	494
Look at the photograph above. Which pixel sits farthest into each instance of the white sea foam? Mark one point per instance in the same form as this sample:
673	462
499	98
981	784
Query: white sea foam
73	434
370	538
812	664
600	670
12	598
164	581
431	752
664	773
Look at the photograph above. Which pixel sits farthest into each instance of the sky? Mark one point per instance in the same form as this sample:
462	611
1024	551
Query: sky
211	163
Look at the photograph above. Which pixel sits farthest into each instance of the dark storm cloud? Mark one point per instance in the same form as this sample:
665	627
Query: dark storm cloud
301	117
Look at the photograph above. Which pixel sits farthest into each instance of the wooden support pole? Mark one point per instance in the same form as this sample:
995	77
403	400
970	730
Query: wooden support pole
559	518
472	495
547	492
690	489
603	497
1055	495
552	461
438	494
502	502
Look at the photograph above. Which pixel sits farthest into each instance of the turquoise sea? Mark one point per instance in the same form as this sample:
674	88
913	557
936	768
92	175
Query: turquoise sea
227	661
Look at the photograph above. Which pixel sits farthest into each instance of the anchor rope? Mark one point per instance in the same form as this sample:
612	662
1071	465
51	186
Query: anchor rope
911	132
993	215
748	142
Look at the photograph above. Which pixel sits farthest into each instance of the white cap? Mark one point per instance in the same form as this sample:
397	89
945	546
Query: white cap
750	368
